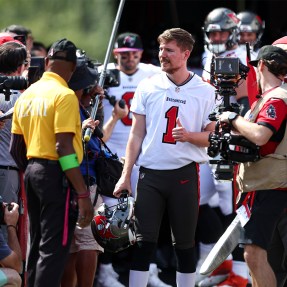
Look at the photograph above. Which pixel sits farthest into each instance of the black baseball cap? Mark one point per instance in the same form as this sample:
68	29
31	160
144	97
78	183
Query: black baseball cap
66	46
18	29
83	76
127	42
270	52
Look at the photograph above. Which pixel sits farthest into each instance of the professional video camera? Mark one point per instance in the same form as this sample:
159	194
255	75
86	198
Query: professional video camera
112	77
226	74
8	83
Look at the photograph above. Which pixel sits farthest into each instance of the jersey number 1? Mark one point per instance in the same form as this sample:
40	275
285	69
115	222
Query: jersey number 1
171	116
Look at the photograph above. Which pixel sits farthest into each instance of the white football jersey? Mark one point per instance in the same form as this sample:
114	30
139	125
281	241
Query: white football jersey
236	53
128	84
162	102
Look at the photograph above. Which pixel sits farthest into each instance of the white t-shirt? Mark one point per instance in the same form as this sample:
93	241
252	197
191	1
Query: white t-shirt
128	84
161	101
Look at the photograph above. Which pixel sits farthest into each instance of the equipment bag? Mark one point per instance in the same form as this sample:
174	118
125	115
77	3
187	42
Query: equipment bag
108	171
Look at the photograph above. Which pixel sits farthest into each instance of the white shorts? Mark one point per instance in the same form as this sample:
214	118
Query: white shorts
83	237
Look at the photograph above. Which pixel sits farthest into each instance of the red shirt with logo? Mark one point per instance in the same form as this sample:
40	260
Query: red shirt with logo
273	115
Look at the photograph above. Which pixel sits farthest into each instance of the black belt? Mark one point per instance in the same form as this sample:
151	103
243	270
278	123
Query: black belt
43	161
9	167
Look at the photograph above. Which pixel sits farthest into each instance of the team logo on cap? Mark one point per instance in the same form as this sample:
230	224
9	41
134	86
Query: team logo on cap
129	41
51	52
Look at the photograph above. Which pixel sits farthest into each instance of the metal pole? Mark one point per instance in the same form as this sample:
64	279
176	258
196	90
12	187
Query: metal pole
88	132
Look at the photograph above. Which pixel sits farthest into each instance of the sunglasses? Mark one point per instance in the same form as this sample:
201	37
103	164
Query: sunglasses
126	55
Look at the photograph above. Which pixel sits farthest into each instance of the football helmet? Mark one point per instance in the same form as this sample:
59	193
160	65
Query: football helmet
250	22
113	227
221	19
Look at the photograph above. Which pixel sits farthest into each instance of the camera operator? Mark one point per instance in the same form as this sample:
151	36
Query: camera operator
10	254
265	126
12	63
220	35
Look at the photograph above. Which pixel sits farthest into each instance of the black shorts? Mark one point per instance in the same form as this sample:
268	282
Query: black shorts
175	191
267	209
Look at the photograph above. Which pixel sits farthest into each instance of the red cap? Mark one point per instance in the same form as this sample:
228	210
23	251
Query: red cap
7	38
282	40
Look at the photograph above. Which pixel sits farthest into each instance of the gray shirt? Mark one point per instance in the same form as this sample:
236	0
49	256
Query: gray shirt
5	133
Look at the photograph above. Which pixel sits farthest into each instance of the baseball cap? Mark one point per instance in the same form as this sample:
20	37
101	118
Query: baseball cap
66	46
270	52
18	29
128	42
281	43
7	37
83	76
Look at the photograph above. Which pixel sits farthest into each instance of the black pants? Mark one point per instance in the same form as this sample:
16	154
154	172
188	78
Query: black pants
175	191
46	199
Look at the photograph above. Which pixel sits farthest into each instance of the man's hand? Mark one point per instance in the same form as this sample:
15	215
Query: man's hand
179	133
86	212
123	184
118	112
90	123
223	118
11	215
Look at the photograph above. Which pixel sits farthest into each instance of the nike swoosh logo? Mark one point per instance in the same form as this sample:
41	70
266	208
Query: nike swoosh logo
184	181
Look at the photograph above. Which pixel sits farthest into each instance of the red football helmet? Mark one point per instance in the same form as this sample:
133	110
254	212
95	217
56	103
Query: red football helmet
113	227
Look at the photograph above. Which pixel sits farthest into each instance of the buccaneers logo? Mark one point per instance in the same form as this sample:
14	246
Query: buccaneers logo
271	112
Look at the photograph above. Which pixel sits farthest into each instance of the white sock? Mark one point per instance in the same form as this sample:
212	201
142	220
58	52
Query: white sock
240	268
138	278
185	279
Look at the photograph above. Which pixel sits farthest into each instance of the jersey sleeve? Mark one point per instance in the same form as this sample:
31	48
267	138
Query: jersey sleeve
138	103
66	108
210	106
272	114
15	123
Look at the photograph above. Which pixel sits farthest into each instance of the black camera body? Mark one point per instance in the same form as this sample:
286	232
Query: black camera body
36	69
232	149
3	206
8	83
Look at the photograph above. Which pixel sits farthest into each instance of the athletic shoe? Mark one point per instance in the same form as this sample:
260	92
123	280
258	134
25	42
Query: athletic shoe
107	277
153	279
220	274
234	280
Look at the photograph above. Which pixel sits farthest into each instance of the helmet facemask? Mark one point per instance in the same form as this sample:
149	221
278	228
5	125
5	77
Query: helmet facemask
220	20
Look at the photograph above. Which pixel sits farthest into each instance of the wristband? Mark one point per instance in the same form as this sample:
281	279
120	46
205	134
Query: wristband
69	161
84	195
12	226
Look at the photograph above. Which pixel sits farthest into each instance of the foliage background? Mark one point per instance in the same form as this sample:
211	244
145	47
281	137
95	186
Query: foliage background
88	23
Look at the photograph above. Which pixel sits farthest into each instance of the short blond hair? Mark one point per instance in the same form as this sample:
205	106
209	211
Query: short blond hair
184	39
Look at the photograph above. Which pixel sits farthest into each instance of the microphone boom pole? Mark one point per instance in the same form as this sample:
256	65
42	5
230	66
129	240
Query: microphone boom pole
103	74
